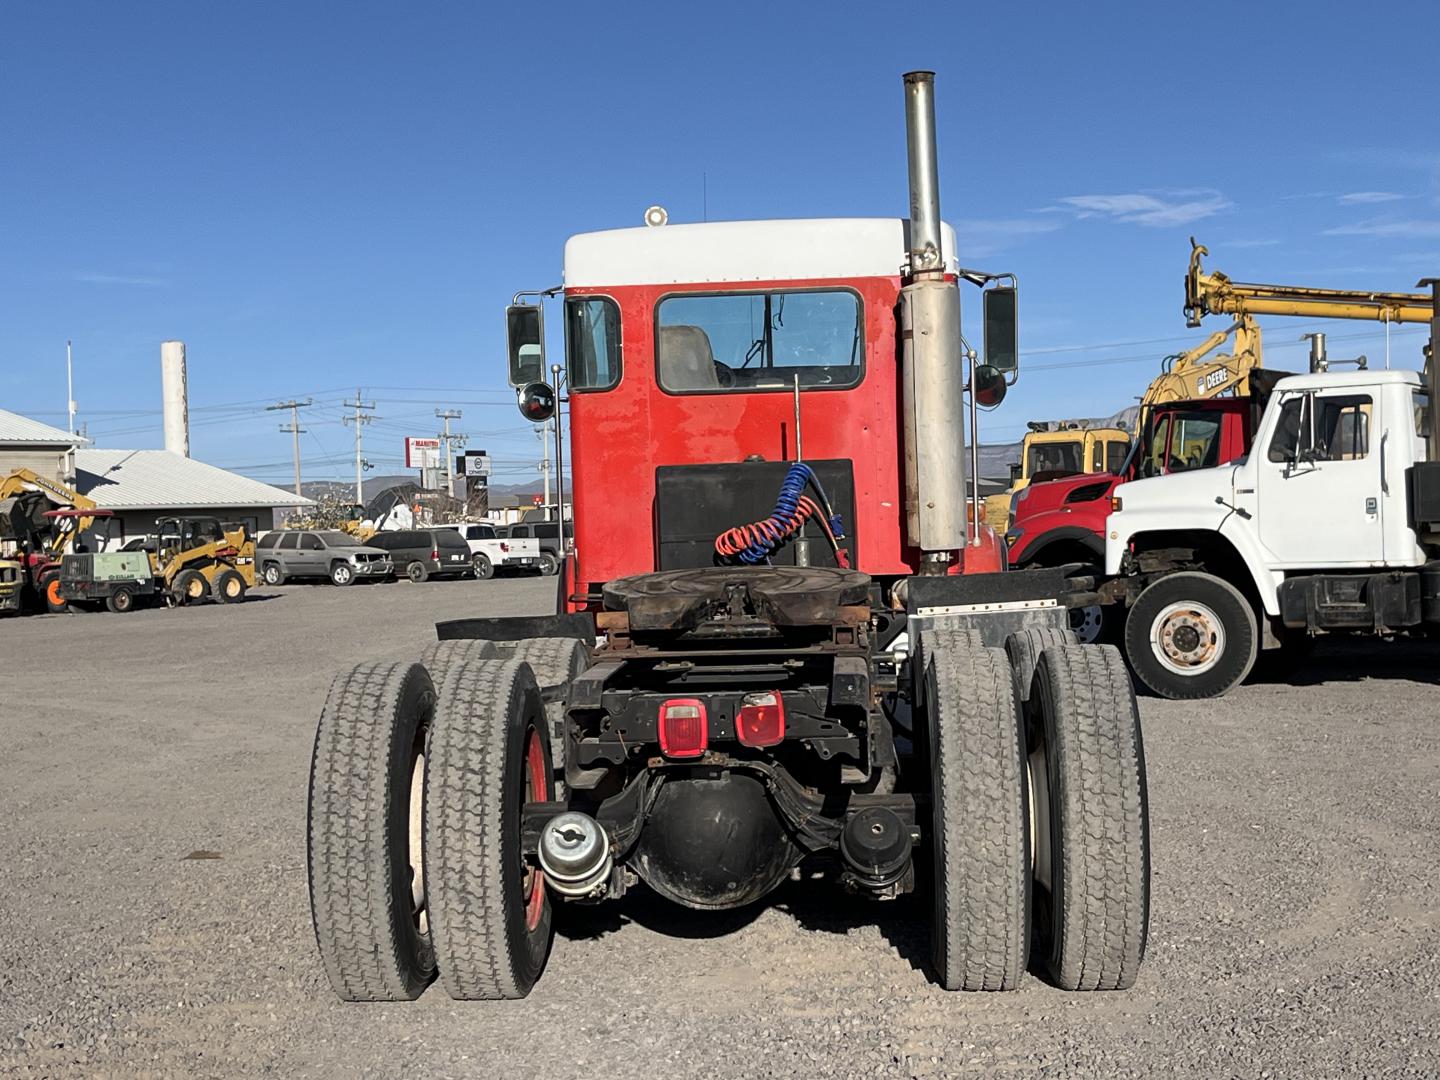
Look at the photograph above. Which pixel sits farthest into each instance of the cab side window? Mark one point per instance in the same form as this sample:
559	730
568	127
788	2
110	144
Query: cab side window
311	542
1334	427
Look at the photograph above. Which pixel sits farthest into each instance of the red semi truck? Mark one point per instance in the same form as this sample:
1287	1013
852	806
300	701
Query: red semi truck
780	650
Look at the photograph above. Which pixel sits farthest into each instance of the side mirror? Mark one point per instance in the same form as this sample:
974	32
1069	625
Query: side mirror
1014	473
525	341
1002	330
537	402
989	386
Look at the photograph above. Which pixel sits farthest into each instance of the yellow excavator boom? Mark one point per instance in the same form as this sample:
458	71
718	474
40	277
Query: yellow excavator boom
23	480
1189	376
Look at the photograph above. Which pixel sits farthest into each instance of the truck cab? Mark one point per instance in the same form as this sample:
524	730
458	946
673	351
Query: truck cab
1063	521
720	350
1313	531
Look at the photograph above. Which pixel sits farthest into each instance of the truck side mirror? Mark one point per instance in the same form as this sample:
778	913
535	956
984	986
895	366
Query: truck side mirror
525	341
1014	473
989	386
1002	331
537	402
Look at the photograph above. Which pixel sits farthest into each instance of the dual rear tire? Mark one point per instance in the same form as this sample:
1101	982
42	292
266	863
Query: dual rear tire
1040	828
415	856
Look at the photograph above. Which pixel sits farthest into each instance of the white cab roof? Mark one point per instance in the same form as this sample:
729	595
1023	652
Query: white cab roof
724	251
1325	380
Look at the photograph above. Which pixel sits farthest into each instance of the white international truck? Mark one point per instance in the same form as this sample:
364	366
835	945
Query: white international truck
1331	524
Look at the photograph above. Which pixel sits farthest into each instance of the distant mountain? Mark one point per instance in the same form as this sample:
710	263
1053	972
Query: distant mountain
374	485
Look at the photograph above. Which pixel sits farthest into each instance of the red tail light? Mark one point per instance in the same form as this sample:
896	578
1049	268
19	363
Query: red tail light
684	728
761	720
504	546
435	555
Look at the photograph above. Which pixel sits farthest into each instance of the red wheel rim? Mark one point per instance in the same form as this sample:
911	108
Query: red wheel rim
537	789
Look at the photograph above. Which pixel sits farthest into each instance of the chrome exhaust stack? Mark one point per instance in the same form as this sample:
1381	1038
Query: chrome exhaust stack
932	369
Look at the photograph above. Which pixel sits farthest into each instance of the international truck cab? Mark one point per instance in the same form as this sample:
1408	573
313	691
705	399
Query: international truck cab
1325	526
781	648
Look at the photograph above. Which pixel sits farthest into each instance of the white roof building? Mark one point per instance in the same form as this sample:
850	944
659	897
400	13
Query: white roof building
165	481
17	430
142	486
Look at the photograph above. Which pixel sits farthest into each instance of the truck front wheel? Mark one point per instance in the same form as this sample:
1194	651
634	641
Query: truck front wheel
1191	635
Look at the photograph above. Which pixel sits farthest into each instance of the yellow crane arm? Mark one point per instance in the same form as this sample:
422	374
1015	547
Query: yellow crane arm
1213	293
1190	375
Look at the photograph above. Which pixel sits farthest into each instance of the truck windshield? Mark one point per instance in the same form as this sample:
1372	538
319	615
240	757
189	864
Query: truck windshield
1054	457
746	342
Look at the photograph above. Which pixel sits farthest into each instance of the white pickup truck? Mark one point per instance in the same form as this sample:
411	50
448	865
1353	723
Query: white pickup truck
490	553
1331	524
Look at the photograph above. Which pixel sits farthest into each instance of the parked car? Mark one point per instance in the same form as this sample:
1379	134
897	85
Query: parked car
324	553
548	533
423	553
489	552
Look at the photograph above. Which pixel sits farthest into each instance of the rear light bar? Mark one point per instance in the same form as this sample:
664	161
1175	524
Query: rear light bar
761	719
684	728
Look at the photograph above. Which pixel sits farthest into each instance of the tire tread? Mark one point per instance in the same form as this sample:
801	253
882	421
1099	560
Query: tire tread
979	813
465	857
348	832
1105	845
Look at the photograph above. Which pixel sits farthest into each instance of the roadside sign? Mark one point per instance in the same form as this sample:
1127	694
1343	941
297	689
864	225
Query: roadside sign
422	453
476	463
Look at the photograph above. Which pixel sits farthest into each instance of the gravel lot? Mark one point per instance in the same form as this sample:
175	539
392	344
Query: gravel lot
1296	925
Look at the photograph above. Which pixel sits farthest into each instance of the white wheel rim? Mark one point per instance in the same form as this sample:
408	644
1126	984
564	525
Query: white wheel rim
1086	623
416	853
1187	638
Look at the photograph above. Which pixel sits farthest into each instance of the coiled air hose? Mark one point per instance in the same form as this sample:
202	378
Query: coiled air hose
755	543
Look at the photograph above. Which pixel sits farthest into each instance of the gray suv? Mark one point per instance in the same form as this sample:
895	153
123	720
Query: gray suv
323	553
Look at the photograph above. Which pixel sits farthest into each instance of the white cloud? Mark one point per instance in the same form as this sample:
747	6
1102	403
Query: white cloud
117	279
979	237
1246	243
1376	227
1143	208
1370	197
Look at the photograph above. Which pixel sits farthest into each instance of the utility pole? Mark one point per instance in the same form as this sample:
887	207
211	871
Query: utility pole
360	419
294	429
447	438
543	430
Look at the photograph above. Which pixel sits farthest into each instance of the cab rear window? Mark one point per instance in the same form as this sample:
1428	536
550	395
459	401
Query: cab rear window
761	341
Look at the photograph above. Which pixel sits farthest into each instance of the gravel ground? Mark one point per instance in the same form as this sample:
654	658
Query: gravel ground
1296	927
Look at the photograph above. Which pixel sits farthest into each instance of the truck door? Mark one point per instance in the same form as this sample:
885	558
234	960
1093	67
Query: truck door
1320	491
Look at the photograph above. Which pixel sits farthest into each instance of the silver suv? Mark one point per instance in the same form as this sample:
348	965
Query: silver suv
324	553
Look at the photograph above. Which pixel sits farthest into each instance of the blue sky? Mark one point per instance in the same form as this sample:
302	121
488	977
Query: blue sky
318	197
